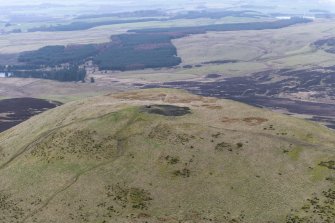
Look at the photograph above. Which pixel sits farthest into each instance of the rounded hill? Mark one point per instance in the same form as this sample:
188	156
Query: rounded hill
164	155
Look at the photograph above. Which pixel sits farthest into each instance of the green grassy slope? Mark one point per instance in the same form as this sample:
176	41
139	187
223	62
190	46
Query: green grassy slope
105	160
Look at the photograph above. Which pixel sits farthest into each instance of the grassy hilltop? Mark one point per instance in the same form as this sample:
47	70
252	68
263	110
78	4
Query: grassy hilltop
166	156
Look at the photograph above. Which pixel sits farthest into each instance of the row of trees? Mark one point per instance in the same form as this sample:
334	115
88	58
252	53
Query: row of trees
72	73
227	27
128	58
51	56
125	52
138	51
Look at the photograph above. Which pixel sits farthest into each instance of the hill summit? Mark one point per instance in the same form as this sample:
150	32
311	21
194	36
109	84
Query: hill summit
163	155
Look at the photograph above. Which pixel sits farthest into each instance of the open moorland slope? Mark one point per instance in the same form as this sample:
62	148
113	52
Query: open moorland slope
163	155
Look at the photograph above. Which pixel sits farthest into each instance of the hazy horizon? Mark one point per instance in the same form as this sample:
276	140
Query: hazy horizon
322	4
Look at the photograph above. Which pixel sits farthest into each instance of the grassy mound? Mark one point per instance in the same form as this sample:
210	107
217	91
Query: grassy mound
122	158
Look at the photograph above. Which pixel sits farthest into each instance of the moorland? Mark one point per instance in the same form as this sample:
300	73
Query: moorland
163	155
131	112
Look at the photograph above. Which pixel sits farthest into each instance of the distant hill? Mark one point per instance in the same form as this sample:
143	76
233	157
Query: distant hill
163	155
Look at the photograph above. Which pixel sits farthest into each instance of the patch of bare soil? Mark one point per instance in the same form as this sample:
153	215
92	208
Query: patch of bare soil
166	110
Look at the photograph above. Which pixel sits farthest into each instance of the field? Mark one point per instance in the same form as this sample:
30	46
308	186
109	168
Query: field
57	91
270	49
20	42
137	49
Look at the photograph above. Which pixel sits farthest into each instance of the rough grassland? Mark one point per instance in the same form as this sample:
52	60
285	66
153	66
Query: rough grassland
288	47
104	159
20	42
54	90
255	51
